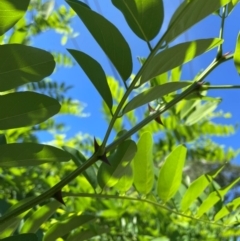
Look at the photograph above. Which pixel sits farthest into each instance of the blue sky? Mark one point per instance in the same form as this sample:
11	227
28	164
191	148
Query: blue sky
83	90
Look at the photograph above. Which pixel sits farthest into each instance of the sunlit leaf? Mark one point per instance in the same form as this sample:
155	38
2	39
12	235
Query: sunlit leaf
22	237
10	12
197	187
236	56
47	8
60	229
109	175
22	64
170	175
108	37
95	73
33	223
153	93
26	109
214	197
201	111
143	164
176	56
188	14
79	159
30	154
145	18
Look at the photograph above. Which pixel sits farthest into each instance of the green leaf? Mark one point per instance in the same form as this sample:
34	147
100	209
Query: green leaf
79	159
30	154
227	209
143	164
108	37
23	64
60	229
22	237
232	5
33	223
214	197
145	18
10	12
176	56
170	175
109	175
95	73
188	14
201	111
153	93
3	139
22	109
197	187
236	56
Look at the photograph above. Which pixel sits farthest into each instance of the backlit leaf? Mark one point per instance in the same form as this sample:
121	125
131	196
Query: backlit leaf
22	64
176	56
109	175
170	175
153	93
95	73
108	37
236	56
22	109
143	17
30	154
143	164
10	12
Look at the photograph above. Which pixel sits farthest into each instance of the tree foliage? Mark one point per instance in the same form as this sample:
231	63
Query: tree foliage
140	186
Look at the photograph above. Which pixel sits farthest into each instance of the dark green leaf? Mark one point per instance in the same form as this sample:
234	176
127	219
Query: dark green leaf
236	56
30	154
197	187
3	139
95	73
108	37
33	223
26	109
22	237
188	14
170	175
109	175
232	5
79	159
153	93
176	56
10	12
60	229
22	64
145	18
143	164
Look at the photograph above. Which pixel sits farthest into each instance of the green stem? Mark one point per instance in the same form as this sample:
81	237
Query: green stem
224	15
219	87
105	196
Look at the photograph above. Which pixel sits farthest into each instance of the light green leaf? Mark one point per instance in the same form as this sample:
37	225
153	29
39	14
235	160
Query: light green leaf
22	237
19	32
95	73
227	209
22	64
201	111
188	14
143	164
177	55
79	159
197	187
60	229
170	175
214	197
145	18
109	175
236	56
30	154
154	93
108	37
232	5
21	109
10	12
33	223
